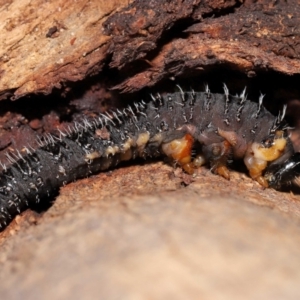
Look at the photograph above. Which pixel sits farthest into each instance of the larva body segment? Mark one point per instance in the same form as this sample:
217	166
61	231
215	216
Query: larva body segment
226	127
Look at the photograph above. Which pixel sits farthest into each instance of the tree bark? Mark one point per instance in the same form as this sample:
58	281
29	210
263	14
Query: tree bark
147	231
45	44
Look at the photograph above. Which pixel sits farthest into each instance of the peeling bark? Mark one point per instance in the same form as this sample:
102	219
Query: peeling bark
139	26
45	44
45	48
251	37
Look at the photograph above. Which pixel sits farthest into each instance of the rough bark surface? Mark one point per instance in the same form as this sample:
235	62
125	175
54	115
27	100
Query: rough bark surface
147	231
256	36
138	233
140	25
44	44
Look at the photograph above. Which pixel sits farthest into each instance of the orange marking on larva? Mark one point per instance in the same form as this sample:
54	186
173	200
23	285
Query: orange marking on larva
185	155
180	149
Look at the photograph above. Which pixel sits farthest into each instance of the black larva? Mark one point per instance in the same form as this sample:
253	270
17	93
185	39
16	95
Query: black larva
227	127
286	173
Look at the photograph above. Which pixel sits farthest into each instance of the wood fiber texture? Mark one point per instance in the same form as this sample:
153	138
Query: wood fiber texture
147	231
251	36
46	43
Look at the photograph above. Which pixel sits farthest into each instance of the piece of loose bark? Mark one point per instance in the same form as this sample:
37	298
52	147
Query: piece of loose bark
250	37
44	44
136	29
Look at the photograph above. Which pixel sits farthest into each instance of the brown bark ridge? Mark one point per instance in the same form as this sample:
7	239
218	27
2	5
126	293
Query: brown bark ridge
249	36
46	43
44	47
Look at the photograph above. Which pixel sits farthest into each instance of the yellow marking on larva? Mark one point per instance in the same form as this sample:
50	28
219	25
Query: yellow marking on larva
271	153
142	141
157	138
179	149
112	150
256	166
92	155
257	157
128	144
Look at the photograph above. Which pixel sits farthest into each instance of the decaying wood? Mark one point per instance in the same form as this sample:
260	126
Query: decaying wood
47	45
253	37
147	231
44	44
139	26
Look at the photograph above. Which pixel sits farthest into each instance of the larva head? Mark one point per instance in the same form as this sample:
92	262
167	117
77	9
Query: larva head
279	175
273	149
